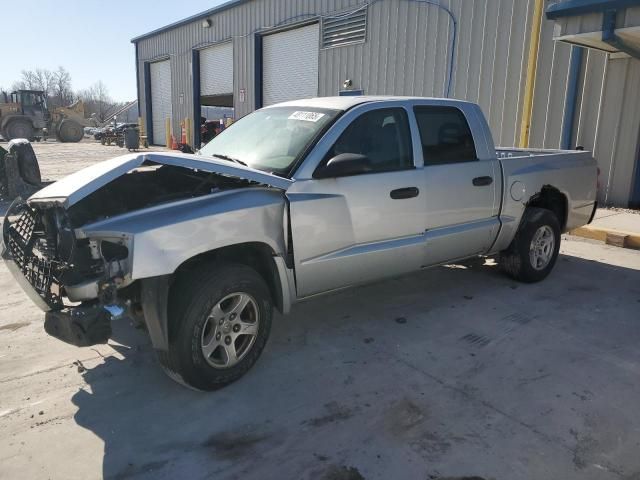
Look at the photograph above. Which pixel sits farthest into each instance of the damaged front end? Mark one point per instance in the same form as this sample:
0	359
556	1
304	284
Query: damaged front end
41	251
71	245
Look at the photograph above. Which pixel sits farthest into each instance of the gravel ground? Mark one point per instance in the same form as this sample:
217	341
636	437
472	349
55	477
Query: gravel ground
58	160
621	210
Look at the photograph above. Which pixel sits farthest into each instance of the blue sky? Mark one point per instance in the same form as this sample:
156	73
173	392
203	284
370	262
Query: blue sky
90	38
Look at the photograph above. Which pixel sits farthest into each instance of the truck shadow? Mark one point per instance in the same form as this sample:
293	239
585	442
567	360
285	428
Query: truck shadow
279	420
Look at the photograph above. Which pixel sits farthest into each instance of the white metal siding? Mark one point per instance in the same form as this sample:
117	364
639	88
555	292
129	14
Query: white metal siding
607	117
290	64
407	51
216	70
160	99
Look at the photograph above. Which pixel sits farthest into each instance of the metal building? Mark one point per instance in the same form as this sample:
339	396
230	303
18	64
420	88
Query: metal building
542	82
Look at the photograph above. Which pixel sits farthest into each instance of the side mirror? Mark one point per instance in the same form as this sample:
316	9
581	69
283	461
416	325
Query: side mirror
344	165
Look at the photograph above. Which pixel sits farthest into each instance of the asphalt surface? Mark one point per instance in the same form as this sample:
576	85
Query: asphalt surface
448	373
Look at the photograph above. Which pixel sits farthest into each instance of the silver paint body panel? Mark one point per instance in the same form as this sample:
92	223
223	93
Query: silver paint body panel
348	230
73	188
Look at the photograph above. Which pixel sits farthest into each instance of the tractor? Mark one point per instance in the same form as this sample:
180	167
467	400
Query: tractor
24	114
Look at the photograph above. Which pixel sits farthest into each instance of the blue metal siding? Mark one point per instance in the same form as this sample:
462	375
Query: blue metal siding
571	97
571	8
195	75
634	201
147	102
257	73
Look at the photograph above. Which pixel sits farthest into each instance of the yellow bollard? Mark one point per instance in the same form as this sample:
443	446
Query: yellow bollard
143	134
187	127
527	102
167	130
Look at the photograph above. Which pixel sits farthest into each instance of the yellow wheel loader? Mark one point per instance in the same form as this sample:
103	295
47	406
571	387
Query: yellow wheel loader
24	114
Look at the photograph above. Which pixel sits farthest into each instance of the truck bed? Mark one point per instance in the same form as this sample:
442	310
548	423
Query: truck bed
505	153
525	172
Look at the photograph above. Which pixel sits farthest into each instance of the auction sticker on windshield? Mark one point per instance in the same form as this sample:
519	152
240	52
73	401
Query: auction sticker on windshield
306	116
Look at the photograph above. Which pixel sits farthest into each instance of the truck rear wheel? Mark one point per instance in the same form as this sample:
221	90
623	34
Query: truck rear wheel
220	321
19	129
70	131
534	250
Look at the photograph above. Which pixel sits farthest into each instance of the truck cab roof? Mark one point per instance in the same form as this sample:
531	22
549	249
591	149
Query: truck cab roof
347	102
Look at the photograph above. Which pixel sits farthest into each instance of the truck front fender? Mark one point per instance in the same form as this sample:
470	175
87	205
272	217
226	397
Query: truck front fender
155	291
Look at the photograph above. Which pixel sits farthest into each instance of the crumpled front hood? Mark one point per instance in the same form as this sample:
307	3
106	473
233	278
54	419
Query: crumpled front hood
75	187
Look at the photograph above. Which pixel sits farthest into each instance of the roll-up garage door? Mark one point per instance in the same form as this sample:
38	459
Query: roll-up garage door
290	64
160	73
216	70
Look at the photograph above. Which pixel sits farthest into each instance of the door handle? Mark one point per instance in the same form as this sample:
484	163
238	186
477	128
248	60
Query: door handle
402	193
482	181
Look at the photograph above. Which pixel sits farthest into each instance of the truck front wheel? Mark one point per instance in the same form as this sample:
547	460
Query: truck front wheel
534	250
220	321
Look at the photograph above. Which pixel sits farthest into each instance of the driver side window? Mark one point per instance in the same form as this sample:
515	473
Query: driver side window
383	136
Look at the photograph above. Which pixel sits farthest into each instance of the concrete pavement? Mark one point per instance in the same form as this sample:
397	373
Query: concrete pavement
448	373
617	227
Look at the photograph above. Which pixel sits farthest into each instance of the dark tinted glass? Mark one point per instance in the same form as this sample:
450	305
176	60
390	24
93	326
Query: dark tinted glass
382	135
445	135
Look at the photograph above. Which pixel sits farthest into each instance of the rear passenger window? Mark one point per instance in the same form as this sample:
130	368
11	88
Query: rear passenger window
445	135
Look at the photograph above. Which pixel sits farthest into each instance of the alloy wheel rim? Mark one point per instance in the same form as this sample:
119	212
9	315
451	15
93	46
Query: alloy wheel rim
230	330
542	247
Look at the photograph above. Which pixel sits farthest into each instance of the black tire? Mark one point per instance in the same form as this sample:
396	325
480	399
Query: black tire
27	163
70	131
192	300
19	129
517	262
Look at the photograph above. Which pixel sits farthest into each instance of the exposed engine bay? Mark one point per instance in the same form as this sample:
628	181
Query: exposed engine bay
70	246
146	186
41	236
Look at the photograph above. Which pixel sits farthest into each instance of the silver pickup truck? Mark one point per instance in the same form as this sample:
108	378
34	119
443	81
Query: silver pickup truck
292	201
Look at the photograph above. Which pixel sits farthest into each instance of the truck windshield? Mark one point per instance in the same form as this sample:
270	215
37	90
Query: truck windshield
272	139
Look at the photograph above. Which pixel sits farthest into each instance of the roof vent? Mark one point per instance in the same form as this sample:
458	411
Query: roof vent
344	29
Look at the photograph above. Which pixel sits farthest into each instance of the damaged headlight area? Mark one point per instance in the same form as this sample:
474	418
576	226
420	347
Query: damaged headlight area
56	268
